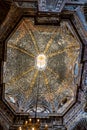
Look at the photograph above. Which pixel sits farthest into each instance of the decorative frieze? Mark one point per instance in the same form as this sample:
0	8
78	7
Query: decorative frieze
84	77
28	5
72	115
51	5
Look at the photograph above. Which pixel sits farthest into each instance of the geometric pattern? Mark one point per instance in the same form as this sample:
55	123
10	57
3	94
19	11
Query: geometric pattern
51	5
56	84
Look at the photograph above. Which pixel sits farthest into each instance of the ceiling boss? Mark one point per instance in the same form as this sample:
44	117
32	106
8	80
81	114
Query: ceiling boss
41	62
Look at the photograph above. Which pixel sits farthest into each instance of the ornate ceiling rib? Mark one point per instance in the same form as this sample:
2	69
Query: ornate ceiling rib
3	35
30	64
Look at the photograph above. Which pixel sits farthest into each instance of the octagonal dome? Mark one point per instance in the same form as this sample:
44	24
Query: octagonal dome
42	63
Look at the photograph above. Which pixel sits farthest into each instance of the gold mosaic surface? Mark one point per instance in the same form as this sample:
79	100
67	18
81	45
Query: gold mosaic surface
54	84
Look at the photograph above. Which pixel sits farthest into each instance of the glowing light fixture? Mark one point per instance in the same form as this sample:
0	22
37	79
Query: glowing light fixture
34	124
41	62
29	125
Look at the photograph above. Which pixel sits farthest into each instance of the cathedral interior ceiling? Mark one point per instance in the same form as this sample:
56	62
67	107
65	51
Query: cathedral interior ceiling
43	61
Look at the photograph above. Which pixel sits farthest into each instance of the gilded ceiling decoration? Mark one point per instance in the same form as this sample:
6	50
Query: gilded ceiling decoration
44	61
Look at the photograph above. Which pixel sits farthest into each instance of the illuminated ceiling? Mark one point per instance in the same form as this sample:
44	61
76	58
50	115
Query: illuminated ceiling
41	60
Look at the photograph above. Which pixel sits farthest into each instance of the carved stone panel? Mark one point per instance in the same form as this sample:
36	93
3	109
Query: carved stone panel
51	5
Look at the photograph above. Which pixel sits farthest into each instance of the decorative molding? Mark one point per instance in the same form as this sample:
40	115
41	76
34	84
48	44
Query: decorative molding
85	53
7	27
27	5
72	115
80	124
51	6
84	77
51	20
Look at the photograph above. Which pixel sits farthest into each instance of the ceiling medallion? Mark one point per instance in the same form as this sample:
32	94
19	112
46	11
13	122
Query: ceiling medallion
41	62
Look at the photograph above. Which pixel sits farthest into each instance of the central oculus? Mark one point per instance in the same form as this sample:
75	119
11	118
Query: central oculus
41	62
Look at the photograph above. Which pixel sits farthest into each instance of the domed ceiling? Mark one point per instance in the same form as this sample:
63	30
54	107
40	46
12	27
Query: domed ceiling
41	66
